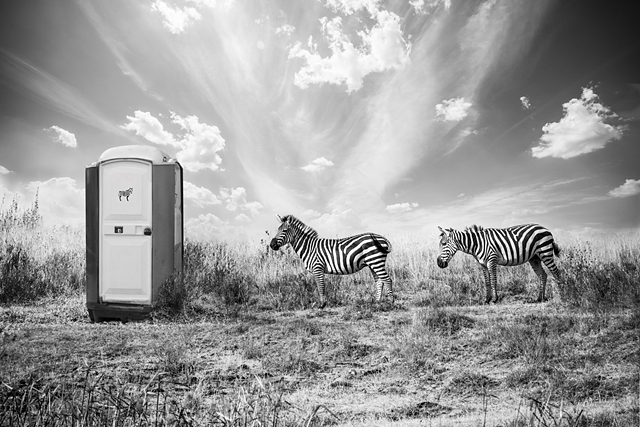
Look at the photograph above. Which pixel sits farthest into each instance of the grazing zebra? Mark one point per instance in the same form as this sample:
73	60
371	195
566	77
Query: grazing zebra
503	246
335	256
125	193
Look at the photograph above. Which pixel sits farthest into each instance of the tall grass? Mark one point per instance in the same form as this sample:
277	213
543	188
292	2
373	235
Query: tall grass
39	262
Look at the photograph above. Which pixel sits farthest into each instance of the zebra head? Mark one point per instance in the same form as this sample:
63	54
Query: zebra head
448	248
284	234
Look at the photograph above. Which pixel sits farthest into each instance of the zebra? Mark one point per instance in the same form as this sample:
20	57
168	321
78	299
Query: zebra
503	246
125	193
335	256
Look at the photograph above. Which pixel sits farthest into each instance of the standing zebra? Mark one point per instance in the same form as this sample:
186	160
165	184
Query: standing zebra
503	246
335	256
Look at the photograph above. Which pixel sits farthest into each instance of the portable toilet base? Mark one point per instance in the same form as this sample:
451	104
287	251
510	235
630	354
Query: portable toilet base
99	312
134	229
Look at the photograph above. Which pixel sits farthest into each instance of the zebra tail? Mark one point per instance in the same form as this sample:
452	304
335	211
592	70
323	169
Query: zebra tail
556	249
380	241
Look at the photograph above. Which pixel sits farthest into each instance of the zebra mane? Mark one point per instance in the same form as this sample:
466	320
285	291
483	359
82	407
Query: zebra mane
295	222
475	228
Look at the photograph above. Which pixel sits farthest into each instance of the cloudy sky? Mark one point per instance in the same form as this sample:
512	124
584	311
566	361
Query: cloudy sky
353	115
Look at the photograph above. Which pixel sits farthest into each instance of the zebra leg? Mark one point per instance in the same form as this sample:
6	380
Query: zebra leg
382	279
390	294
487	283
536	264
494	282
318	274
551	265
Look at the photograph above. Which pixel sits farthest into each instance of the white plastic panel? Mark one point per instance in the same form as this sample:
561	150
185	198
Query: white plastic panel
126	273
125	213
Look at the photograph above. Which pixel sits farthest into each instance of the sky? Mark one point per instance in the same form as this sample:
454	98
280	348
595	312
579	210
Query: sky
353	115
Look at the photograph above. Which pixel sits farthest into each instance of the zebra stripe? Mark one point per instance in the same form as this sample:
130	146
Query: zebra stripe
347	255
125	193
503	246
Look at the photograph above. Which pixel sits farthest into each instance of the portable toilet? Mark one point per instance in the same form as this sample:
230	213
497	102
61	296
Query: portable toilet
134	229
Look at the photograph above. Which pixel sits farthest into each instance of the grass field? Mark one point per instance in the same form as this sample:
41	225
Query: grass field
239	342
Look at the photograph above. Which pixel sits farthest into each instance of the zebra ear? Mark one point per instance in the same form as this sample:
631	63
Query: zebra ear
441	230
279	217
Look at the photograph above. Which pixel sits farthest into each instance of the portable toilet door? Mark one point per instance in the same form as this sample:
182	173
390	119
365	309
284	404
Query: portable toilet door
134	230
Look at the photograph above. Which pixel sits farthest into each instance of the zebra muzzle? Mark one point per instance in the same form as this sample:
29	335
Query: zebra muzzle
274	245
441	263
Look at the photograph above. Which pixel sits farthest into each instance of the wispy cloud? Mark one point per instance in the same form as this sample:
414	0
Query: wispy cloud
505	206
4	171
338	223
119	48
52	92
401	108
631	187
525	102
582	130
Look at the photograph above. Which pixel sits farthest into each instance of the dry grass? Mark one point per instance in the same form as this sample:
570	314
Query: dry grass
238	342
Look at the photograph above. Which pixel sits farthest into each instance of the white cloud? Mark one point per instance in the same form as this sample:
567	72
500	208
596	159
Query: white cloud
631	187
60	200
418	5
4	171
401	207
468	131
150	128
317	165
285	29
582	130
350	6
338	223
453	110
383	48
198	146
236	199
176	19
199	196
207	227
525	102
64	137
220	4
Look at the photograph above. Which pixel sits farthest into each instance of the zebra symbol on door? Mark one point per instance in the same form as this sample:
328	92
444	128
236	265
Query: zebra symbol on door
125	193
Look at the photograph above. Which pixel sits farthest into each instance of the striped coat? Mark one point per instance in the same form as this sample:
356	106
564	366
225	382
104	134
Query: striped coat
335	256
509	246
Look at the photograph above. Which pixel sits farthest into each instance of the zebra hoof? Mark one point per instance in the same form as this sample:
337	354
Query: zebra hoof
322	305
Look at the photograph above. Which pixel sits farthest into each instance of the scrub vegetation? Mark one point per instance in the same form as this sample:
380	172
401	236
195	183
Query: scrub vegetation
237	340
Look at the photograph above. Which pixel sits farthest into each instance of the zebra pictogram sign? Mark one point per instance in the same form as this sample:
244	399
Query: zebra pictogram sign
125	193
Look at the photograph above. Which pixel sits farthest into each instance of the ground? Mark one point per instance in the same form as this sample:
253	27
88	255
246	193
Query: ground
364	364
